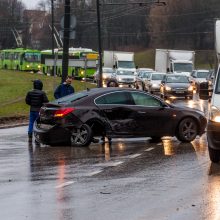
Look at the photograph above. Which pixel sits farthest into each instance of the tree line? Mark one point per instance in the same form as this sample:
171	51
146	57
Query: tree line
180	24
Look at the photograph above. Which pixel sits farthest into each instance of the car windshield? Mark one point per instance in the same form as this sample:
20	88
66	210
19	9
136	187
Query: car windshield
183	67
126	64
217	89
145	74
124	72
202	74
177	79
71	98
157	76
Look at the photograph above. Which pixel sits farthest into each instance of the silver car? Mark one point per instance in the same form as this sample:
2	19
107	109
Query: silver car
152	84
107	74
141	78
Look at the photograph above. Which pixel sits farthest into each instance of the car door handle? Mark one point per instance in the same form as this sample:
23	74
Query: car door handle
108	110
140	112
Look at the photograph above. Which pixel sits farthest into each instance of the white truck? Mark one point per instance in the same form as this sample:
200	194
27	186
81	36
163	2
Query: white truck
175	61
119	59
123	64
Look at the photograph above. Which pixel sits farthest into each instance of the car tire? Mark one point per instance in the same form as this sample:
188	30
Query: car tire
214	155
82	136
187	130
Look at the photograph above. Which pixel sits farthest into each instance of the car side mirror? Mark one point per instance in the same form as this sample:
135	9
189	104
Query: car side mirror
162	82
204	91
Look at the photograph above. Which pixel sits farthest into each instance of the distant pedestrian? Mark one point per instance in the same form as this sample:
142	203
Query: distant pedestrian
35	98
64	89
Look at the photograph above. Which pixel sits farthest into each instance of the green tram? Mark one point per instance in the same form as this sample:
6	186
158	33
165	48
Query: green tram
20	59
82	62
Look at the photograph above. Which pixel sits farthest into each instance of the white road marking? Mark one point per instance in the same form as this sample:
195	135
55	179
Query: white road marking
65	184
149	149
109	164
94	173
159	144
134	156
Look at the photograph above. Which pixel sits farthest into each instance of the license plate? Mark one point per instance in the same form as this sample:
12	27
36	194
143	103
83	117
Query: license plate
179	92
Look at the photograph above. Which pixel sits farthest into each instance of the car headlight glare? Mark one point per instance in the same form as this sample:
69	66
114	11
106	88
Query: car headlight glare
28	66
214	114
167	88
190	88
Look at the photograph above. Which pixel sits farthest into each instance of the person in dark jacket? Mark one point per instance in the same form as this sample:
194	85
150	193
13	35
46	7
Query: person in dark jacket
64	88
35	98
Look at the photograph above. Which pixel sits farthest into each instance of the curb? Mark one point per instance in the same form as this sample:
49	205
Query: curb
13	125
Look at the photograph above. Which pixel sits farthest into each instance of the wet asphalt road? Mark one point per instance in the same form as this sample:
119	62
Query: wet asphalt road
131	179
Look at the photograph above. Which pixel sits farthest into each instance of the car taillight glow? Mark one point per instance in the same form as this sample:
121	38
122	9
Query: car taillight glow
63	112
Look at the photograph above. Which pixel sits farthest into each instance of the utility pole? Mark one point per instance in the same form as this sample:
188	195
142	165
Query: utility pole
52	33
99	43
66	36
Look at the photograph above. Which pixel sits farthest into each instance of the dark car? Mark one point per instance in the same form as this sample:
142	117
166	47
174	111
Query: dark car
176	86
114	112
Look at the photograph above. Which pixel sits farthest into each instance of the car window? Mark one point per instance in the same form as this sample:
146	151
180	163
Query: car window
115	98
157	76
145	100
202	74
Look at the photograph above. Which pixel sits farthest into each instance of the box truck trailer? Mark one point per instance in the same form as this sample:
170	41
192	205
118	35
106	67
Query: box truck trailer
175	61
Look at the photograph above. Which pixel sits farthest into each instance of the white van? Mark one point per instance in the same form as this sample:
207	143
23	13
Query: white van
213	126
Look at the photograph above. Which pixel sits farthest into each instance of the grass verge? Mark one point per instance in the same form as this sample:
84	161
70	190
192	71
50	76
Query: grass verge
14	86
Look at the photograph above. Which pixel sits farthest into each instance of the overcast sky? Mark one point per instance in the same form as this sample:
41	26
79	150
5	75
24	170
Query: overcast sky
31	4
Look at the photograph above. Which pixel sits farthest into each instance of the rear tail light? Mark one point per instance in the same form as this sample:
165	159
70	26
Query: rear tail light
63	112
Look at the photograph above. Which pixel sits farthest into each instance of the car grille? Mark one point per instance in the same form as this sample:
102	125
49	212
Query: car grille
127	80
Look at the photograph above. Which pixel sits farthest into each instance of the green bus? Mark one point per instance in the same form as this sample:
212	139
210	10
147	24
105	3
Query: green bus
82	62
20	59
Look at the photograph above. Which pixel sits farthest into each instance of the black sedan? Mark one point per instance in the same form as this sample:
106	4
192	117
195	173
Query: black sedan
114	112
176	86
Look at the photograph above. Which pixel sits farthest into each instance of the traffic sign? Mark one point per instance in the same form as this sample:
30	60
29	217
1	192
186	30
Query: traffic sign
72	22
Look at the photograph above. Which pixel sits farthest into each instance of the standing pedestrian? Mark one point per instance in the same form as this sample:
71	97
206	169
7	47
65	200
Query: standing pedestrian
64	89
35	98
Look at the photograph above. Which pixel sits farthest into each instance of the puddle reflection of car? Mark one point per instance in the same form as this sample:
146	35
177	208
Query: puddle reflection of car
152	84
176	86
115	113
107	74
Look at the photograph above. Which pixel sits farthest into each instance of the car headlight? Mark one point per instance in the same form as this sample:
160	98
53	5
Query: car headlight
167	88
104	77
82	72
28	66
214	114
190	88
154	85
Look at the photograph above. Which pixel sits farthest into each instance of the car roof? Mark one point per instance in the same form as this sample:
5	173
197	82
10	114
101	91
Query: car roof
202	70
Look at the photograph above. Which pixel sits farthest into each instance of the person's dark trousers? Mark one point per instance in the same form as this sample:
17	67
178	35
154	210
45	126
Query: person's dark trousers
32	118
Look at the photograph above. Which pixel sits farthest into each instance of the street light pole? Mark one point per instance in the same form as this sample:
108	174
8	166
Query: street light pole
99	43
